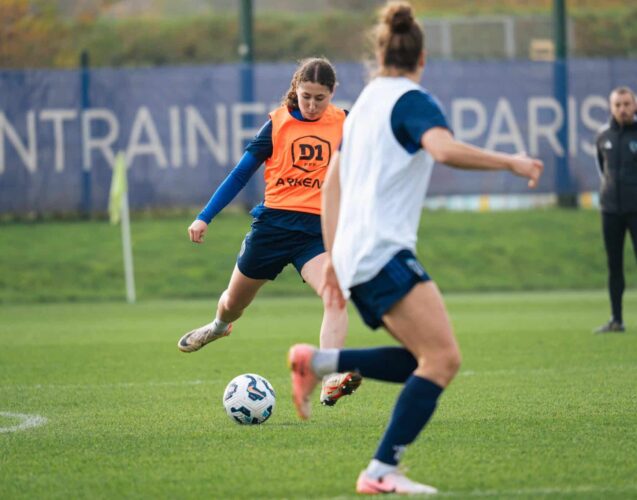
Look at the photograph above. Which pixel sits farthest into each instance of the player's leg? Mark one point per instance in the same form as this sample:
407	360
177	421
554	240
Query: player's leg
631	221
372	299
332	336
238	296
260	259
632	229
233	301
420	322
614	231
413	311
334	325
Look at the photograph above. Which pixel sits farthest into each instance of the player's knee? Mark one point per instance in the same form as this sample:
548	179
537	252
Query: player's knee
443	365
453	360
449	363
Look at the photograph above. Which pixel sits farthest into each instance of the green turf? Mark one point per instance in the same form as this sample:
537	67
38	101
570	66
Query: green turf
541	408
82	261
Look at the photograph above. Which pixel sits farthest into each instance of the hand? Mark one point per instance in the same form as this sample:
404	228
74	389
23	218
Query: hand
530	168
329	289
197	231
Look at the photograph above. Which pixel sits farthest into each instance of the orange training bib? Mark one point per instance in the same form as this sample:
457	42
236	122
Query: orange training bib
301	152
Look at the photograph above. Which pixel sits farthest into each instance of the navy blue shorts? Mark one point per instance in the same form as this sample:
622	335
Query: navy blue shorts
267	249
377	296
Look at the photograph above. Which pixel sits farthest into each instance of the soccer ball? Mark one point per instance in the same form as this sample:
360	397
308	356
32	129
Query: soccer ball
249	399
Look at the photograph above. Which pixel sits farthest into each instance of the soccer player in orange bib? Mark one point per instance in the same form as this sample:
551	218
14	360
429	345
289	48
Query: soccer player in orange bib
296	144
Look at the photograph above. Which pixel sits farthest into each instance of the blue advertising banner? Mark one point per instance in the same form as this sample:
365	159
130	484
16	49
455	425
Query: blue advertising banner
183	128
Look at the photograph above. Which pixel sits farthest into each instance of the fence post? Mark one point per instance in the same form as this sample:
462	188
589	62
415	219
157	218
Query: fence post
85	103
246	52
566	192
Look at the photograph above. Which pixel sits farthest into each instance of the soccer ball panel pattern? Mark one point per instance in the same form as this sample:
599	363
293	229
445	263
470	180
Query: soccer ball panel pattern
249	399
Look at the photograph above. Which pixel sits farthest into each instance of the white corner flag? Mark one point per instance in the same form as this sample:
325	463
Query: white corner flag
118	211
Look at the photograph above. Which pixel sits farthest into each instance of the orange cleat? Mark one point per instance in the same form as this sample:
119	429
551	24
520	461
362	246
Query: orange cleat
303	378
339	385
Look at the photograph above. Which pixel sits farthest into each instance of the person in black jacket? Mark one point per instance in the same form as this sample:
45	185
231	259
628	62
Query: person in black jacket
617	161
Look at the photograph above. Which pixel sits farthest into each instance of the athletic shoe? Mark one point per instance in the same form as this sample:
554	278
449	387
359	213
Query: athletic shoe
339	385
611	327
199	337
303	378
394	482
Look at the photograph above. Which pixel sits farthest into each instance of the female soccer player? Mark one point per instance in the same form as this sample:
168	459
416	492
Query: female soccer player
372	202
296	144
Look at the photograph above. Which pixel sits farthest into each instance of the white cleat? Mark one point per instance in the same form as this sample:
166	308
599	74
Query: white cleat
199	337
394	482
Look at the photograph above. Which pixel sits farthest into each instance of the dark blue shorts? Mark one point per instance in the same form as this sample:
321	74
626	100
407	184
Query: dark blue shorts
267	249
377	296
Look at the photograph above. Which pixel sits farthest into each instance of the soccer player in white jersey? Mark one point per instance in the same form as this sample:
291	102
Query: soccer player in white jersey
372	201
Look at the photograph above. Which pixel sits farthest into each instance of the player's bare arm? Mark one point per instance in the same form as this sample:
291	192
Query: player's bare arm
329	289
445	149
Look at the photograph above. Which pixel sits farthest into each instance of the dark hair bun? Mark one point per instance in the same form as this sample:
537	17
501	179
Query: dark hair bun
399	17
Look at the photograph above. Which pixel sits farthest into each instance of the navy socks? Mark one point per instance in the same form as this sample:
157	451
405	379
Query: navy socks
390	364
414	407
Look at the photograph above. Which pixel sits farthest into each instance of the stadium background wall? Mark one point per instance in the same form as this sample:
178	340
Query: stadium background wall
183	128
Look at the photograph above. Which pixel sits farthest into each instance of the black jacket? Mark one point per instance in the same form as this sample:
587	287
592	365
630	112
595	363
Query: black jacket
617	162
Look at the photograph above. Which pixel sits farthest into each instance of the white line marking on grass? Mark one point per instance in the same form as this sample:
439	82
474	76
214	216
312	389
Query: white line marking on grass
115	385
28	421
120	385
550	371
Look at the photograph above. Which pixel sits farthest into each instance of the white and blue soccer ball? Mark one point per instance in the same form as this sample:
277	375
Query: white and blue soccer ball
249	399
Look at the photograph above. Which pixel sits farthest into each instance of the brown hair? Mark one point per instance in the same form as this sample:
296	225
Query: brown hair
316	70
398	38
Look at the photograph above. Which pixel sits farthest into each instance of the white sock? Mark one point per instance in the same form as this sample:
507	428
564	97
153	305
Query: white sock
325	361
377	469
219	326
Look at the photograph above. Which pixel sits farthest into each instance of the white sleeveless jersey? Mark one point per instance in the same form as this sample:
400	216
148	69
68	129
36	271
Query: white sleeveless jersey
382	186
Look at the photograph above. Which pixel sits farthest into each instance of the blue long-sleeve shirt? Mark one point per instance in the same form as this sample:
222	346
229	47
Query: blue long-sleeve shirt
258	150
231	186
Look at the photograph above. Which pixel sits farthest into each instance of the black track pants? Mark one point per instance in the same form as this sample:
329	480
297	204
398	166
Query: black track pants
614	227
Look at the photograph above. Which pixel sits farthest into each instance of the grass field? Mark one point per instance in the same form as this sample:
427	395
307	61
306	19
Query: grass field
464	251
541	408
